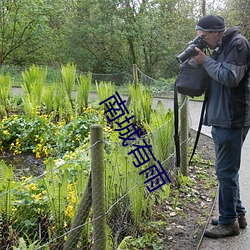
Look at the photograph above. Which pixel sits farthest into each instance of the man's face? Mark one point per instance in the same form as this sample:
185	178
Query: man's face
211	38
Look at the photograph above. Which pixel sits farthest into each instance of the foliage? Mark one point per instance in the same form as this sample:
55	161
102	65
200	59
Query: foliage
43	137
68	74
5	90
141	103
22	23
104	91
106	36
31	205
37	204
50	201
147	241
160	131
34	81
48	98
6	184
22	245
83	91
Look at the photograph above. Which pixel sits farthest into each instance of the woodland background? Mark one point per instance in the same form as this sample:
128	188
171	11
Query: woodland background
107	36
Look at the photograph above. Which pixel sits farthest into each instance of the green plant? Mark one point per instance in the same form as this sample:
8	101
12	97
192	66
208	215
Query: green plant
147	241
48	98
68	74
83	91
141	103
104	91
183	180
176	199
42	136
34	81
30	208
28	244
6	196
5	90
56	187
167	190
160	131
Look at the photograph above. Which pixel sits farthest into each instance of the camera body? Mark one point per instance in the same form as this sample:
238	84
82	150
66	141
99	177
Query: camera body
190	51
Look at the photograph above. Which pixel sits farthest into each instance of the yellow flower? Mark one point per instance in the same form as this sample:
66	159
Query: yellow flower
38	155
31	187
45	151
69	211
37	196
73	199
6	132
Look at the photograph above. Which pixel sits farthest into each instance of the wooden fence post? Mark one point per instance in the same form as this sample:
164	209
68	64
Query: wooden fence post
135	74
98	195
135	82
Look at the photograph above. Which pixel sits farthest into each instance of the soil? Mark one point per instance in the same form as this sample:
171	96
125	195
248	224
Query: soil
25	164
187	222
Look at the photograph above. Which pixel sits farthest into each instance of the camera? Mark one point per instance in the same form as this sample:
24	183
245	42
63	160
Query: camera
190	51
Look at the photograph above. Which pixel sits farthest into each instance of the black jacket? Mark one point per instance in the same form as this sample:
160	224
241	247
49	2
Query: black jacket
229	90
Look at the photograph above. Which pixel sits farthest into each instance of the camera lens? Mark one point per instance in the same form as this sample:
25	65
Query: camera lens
187	53
190	51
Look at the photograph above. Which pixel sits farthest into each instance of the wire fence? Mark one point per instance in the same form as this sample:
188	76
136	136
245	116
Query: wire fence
56	209
160	87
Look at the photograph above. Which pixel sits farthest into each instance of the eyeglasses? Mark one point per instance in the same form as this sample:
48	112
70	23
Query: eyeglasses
203	36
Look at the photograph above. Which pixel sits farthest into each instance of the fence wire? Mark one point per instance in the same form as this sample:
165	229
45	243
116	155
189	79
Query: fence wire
42	212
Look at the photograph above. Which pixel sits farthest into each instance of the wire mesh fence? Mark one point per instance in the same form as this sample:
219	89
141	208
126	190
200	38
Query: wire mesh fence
57	209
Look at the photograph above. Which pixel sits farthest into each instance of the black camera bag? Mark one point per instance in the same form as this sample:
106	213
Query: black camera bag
192	79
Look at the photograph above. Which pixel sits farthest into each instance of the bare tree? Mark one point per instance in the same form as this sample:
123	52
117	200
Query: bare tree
20	22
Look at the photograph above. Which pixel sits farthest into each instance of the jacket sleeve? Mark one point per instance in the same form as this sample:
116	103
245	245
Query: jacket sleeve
232	69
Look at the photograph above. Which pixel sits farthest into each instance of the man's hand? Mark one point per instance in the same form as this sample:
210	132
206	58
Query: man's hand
200	58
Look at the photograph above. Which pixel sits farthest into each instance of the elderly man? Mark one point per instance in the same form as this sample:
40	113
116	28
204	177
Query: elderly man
228	112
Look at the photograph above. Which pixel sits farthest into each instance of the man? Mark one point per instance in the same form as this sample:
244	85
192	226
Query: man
228	112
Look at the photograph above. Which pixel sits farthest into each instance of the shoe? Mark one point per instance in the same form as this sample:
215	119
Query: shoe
241	219
221	230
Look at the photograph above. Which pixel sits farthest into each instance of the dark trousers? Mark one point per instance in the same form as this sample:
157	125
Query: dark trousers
228	145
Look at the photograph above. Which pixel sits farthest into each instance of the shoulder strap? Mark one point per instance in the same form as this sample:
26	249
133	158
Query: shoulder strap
176	127
199	127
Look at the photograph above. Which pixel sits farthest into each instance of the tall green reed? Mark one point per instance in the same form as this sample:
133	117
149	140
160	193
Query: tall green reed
141	105
5	90
56	184
62	106
122	179
6	196
48	97
83	91
68	74
160	131
33	86
104	91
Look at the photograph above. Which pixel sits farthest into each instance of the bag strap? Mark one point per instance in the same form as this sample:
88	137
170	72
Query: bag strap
176	126
199	127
